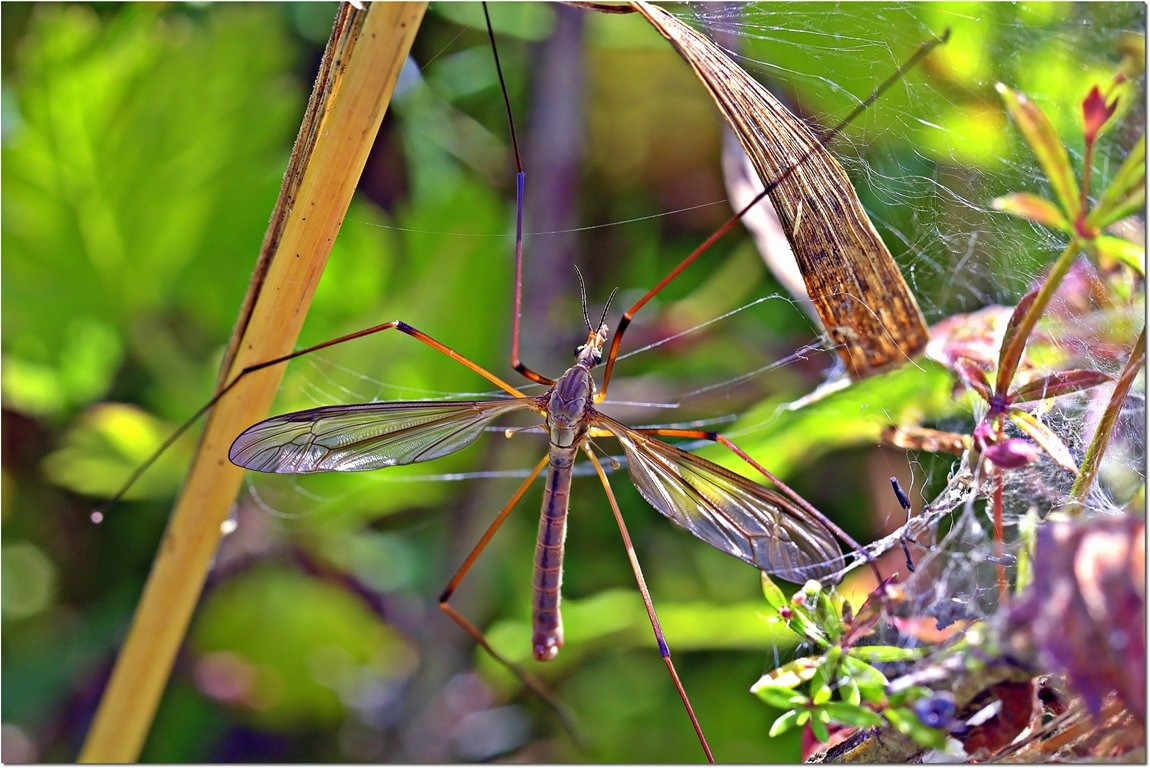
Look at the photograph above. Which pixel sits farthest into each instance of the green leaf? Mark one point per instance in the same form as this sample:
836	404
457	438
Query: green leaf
1056	384
1027	535
789	675
852	714
785	722
906	722
527	22
112	170
870	682
828	617
1039	133
819	720
913	693
773	593
821	691
300	641
1126	193
1045	437
616	617
1119	249
802	622
1033	207
856	415
781	698
886	653
849	690
109	442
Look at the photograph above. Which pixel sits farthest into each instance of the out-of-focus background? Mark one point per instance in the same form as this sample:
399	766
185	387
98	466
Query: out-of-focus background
143	147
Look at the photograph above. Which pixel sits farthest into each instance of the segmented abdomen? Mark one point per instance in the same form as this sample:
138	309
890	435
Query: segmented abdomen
547	634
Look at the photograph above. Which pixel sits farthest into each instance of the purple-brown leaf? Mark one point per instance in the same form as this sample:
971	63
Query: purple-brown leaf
974	376
1014	341
1085	608
1060	383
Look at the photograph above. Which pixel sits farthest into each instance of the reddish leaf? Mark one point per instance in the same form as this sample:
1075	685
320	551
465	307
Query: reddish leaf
878	602
1033	207
1043	140
1045	438
1017	706
1060	383
974	376
1014	342
1095	113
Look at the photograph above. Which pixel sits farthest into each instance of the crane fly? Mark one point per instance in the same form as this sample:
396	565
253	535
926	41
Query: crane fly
761	526
774	530
779	534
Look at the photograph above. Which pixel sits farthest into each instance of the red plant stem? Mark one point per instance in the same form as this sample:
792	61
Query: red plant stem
1003	587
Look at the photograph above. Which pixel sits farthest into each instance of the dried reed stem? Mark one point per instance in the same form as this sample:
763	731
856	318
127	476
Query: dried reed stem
359	70
1093	460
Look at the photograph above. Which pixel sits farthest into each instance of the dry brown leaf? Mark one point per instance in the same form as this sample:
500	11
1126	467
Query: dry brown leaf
853	281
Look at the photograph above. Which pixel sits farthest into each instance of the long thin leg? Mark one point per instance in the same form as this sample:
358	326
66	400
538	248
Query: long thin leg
398	325
520	176
477	634
629	315
699	434
664	649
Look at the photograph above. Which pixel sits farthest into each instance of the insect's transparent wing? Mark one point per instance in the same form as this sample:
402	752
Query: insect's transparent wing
728	511
351	438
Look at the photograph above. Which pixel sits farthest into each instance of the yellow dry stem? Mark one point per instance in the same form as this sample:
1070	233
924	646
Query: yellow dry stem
361	65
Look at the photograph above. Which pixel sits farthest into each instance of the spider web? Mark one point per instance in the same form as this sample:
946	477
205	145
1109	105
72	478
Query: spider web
958	253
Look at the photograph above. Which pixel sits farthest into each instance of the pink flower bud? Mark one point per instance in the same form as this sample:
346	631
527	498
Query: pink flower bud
984	435
1095	113
1012	453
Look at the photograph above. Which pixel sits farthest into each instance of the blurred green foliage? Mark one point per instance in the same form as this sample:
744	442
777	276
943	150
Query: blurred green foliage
143	146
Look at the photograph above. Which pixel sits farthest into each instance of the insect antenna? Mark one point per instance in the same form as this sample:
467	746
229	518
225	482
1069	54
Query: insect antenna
583	301
583	297
607	306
